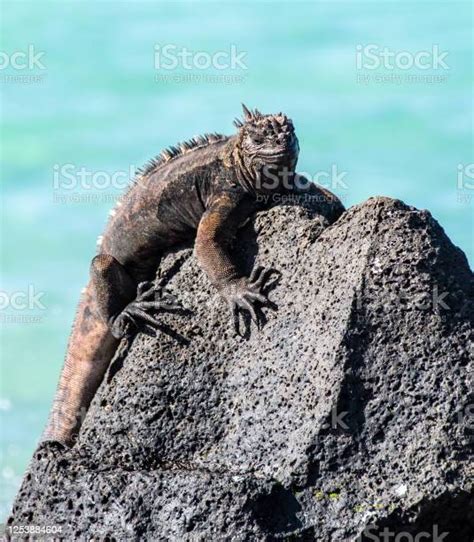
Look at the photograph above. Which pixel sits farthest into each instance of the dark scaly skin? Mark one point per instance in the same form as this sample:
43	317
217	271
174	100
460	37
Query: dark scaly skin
204	191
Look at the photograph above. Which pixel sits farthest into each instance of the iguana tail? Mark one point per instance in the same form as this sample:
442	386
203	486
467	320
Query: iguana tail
90	349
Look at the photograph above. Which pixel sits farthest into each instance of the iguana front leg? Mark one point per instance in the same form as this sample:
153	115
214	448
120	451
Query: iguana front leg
217	227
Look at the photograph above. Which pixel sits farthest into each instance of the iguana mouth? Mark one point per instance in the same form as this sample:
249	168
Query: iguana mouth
274	156
287	153
287	148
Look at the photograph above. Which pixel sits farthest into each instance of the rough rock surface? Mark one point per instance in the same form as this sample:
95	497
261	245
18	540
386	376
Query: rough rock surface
349	411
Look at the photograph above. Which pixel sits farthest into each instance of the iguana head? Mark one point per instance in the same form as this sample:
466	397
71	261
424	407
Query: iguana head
266	144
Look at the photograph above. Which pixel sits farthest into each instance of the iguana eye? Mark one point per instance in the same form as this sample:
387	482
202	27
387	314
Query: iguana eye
257	139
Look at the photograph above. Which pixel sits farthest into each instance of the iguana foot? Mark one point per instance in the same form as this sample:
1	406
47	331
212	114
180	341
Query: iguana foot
248	295
149	298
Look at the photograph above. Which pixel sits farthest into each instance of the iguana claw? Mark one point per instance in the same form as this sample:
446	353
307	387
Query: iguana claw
247	294
149	298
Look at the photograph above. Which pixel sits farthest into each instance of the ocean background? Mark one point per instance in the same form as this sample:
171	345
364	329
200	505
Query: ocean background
104	97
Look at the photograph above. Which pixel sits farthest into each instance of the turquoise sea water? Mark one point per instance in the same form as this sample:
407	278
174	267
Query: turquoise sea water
103	97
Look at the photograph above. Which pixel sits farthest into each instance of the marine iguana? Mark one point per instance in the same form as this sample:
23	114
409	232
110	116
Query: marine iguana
203	189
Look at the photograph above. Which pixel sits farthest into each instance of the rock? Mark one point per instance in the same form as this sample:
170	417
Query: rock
350	412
